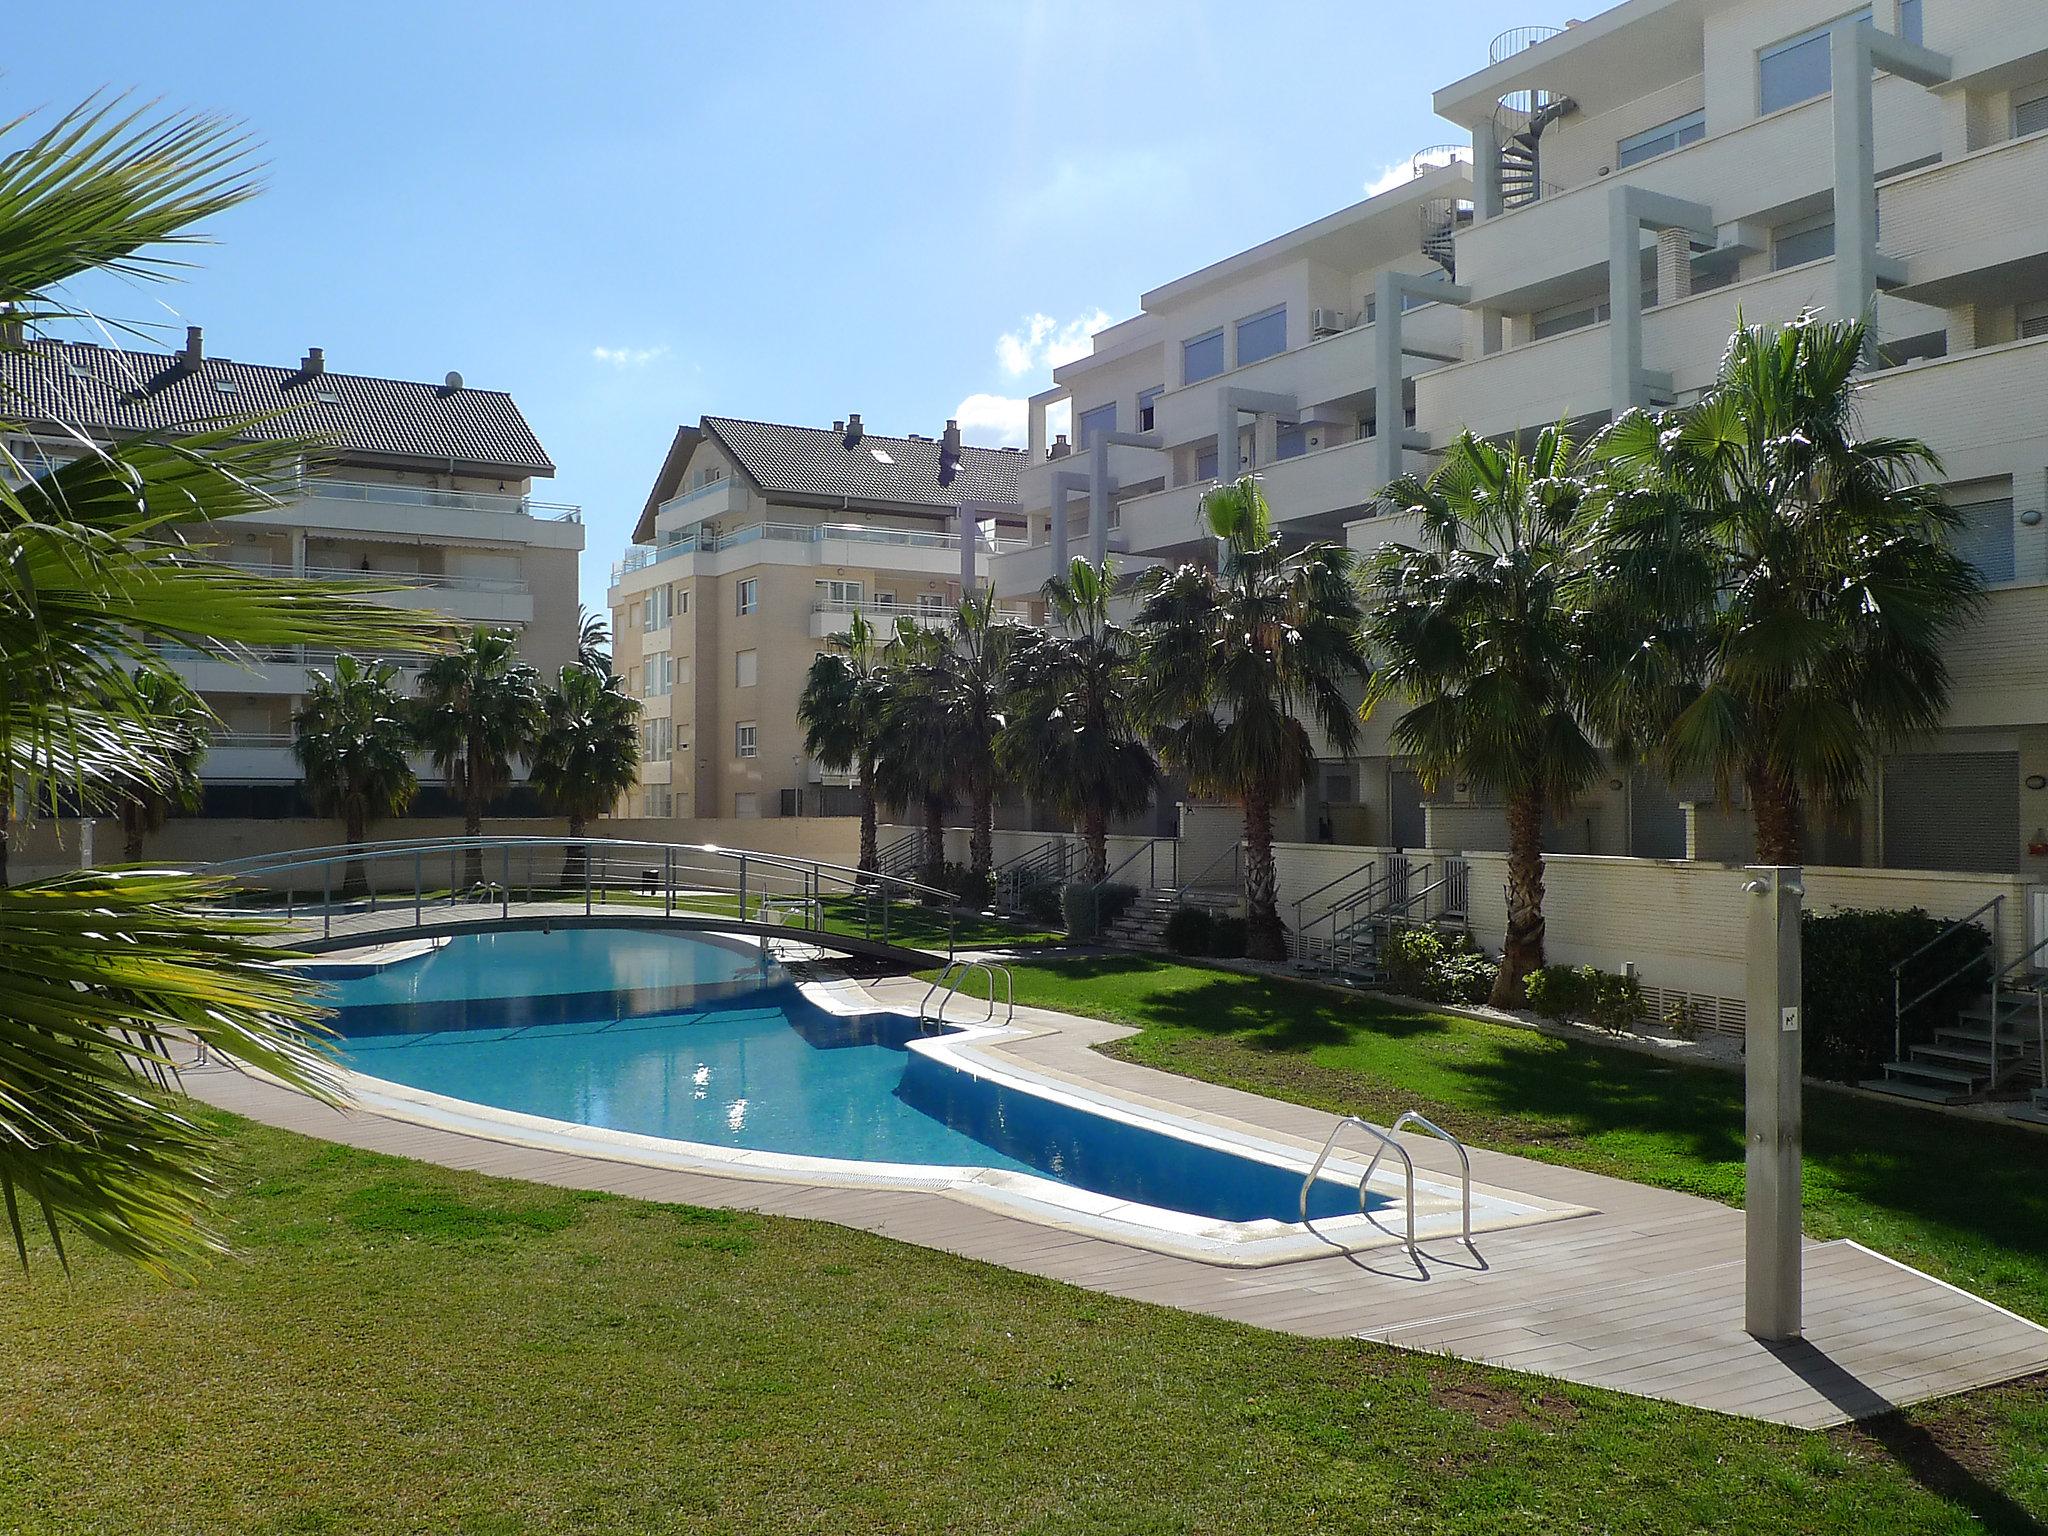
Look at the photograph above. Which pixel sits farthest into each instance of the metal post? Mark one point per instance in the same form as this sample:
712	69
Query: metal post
327	899
505	890
586	879
418	888
743	888
668	882
1772	1255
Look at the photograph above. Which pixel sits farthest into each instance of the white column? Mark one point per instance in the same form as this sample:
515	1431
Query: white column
1486	202
1855	175
1624	303
1390	413
1229	462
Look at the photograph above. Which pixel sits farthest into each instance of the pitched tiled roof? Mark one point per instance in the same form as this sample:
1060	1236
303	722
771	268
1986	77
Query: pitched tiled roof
814	461
111	390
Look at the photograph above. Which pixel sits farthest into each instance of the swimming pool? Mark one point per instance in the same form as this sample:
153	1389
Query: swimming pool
697	1050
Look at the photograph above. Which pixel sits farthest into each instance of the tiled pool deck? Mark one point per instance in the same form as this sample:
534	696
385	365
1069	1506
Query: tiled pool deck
1641	1295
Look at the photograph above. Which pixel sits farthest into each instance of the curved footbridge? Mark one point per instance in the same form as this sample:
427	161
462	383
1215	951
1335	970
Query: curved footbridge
1620	1286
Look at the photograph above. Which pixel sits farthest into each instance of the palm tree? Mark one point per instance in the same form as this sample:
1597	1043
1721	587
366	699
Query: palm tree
840	710
1775	591
969	685
478	708
182	723
1073	739
914	762
593	641
351	737
102	969
1233	657
587	753
1475	627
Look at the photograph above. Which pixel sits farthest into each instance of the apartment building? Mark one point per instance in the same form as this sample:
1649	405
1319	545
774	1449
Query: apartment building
757	543
1634	183
425	486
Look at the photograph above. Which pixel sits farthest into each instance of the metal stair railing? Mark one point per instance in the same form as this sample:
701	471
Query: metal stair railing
1149	850
1901	1004
946	980
1234	853
2040	1011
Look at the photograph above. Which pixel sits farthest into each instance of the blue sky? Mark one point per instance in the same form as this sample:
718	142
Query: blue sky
633	214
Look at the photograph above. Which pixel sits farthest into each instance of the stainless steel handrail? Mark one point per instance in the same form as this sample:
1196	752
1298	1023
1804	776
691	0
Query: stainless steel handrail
1900	1004
1415	1117
1386	1141
1233	852
967	968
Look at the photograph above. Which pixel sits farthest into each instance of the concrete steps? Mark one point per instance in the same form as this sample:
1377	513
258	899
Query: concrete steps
1965	1059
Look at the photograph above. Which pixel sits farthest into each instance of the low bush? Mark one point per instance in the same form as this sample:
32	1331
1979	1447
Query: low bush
1088	909
1424	963
966	887
1190	930
1847	981
1227	938
1587	994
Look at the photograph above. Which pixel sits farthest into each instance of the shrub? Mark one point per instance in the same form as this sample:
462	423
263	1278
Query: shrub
1421	962
1847	973
966	887
1682	1018
1088	909
1227	937
1041	898
1190	931
1588	994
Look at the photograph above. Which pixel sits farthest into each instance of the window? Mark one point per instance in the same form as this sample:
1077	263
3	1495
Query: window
1798	69
743	740
656	614
747	595
1148	401
1290	442
1662	139
1984	537
1568	317
839	595
1201	358
1205	464
2033	320
657	740
1090	425
1262	335
2031	115
746	804
1912	26
881	455
931	605
746	668
1810	240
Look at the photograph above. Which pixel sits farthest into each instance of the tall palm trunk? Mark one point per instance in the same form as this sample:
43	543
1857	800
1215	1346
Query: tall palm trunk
870	853
6	824
473	829
131	831
576	858
934	841
1095	837
1774	812
357	881
1264	938
981	836
1523	950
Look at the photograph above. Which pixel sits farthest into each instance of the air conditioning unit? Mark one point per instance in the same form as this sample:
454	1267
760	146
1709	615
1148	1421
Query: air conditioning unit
1328	322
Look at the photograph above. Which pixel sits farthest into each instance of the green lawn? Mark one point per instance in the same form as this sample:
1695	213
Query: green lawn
397	1348
1968	1203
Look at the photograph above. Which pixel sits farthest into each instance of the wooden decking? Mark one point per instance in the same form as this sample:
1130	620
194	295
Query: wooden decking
1642	1296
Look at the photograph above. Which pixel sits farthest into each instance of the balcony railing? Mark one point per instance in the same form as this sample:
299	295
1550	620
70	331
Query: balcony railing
285	656
427	496
393	579
698	541
922	613
231	739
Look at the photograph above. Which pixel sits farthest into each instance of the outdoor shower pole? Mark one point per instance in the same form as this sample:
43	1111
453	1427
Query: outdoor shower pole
1771	1249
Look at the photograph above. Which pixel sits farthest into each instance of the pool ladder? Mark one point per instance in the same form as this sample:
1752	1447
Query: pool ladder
949	980
1387	1143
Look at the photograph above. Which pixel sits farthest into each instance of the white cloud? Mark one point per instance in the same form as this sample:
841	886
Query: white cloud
1042	343
628	357
1392	176
1003	420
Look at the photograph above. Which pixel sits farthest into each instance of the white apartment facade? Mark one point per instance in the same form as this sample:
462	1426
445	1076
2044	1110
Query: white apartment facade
425	486
1633	183
757	543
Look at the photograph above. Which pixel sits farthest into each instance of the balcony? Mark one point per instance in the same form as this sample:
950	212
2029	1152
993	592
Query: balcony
1968	218
720	498
1368	536
275	672
250	757
834	617
857	544
472	599
1975	406
321	488
1529	386
1127	466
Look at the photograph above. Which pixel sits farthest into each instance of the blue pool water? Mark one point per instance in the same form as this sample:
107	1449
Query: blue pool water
693	1038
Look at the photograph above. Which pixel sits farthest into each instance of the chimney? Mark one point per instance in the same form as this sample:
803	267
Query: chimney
1060	448
949	440
853	430
839	426
314	363
195	348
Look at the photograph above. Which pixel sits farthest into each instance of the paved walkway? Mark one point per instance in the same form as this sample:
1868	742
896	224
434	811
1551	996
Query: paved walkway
1644	1295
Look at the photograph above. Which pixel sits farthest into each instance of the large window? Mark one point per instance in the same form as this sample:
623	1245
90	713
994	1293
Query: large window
656	614
1205	464
1912	24
1201	358
747	596
1799	68
1290	441
834	593
1262	335
1662	139
746	668
744	740
1090	425
1985	537
2033	320
1567	317
1148	401
1809	240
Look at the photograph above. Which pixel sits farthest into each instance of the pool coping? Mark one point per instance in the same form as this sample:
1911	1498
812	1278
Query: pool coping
974	1049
